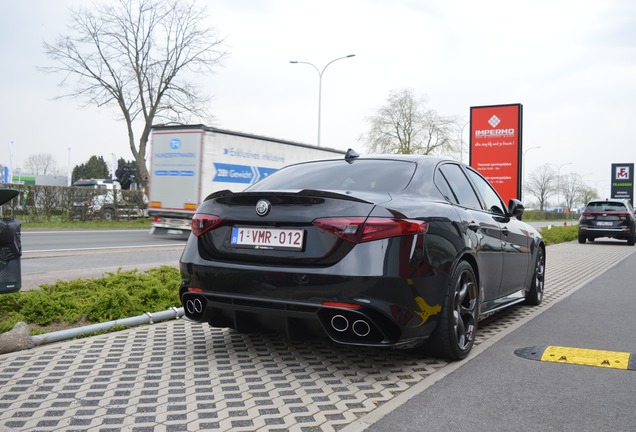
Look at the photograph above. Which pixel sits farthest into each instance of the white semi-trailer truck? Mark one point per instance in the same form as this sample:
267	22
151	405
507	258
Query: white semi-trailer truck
190	162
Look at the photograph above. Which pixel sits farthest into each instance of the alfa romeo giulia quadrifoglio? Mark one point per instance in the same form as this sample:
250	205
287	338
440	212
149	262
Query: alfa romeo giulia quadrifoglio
381	251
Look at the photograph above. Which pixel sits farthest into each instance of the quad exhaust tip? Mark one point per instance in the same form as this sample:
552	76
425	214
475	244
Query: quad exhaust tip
360	327
194	306
339	323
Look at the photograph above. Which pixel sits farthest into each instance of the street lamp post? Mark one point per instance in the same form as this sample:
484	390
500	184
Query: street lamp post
596	188
559	181
320	72
68	168
10	172
523	170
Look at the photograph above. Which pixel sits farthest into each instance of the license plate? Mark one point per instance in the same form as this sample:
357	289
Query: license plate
268	238
604	223
176	232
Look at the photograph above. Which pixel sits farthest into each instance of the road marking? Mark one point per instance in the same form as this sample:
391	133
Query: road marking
105	248
86	231
580	356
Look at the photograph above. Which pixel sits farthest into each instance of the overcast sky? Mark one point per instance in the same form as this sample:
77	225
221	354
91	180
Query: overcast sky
571	63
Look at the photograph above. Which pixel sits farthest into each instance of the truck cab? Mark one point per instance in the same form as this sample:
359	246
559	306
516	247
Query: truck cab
102	199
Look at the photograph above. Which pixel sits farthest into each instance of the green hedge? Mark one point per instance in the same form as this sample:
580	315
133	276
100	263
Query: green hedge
559	234
85	301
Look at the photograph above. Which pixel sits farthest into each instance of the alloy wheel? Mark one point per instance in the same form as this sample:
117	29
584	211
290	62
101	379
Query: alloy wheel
465	310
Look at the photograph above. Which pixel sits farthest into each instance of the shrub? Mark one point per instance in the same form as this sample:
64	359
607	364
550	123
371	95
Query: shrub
114	296
559	234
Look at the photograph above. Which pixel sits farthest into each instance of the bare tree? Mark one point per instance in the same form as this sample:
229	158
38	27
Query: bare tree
571	186
41	164
587	194
542	184
405	126
137	55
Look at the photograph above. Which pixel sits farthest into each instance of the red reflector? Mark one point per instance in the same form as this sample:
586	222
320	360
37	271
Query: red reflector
202	223
360	230
341	305
197	290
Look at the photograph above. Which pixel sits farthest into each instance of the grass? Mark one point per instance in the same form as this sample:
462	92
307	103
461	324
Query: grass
66	304
140	223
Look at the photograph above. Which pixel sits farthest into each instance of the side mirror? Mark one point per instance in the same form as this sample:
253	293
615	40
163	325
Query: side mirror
516	208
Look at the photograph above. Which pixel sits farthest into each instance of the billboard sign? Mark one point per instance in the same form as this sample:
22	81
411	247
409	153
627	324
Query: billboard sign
623	181
495	146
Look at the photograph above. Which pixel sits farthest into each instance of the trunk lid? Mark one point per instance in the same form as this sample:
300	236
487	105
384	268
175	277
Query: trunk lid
277	227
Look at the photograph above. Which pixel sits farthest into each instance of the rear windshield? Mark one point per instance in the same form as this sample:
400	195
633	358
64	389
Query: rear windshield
606	206
367	175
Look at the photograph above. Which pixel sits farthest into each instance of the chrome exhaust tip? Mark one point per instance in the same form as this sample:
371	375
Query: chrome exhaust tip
361	328
339	323
194	306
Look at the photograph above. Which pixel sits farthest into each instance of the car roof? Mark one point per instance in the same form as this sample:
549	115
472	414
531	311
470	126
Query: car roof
608	200
420	159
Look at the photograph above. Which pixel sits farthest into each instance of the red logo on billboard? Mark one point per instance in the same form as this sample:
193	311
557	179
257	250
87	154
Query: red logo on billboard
622	173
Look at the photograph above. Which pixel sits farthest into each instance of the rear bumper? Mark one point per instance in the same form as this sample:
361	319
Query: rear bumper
378	294
594	232
367	311
297	320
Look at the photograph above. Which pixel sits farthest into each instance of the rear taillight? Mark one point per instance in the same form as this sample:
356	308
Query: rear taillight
202	223
341	305
360	230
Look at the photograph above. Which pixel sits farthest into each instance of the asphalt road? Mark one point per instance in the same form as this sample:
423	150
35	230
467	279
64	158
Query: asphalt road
48	256
82	240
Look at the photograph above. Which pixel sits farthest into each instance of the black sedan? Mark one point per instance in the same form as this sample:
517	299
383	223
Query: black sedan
387	251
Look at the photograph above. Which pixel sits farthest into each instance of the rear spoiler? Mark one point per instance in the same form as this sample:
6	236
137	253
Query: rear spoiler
303	192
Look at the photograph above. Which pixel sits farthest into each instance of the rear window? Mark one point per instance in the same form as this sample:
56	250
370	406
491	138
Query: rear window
365	175
606	206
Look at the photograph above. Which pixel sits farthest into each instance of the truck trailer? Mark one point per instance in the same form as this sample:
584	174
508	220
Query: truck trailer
189	162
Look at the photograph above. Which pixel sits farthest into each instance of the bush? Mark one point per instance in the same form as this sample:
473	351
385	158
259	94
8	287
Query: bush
114	296
559	234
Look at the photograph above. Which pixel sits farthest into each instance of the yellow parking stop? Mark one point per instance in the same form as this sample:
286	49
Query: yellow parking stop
580	356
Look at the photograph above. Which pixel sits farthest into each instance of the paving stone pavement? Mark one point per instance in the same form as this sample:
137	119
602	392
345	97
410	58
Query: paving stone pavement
178	376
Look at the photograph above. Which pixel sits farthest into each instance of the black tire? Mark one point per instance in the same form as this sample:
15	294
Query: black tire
108	214
582	238
631	240
454	336
534	295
